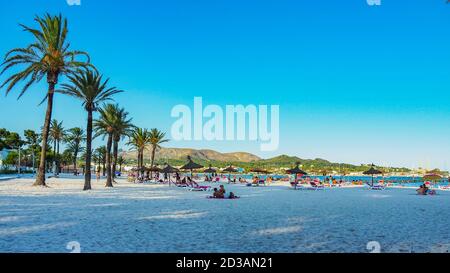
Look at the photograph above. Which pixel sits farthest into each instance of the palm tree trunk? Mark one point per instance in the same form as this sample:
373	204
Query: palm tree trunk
139	158
104	164
87	174
40	179
108	162
115	153
142	162
153	159
75	155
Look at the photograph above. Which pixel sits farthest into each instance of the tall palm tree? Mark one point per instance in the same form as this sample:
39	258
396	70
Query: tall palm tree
91	89
156	139
122	127
139	139
48	56
100	153
120	161
75	137
57	134
105	126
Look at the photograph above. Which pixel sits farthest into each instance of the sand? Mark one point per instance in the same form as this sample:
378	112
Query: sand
156	218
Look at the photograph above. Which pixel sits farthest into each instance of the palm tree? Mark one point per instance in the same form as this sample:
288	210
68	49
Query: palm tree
105	126
89	87
122	128
156	139
100	154
120	161
57	134
75	137
48	56
139	139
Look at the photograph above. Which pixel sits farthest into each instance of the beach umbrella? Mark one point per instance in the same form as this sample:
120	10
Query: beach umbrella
210	169
296	171
432	177
230	170
372	171
168	170
261	171
191	165
153	169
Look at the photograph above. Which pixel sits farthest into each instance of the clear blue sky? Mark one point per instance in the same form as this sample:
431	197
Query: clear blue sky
355	83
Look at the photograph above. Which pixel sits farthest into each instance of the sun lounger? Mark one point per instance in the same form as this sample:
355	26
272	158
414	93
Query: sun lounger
196	187
315	186
377	188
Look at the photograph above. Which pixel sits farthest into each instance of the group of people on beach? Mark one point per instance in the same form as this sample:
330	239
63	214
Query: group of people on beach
425	190
221	193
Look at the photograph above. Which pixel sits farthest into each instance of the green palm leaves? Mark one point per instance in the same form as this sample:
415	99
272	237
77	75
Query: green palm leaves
90	88
48	56
112	124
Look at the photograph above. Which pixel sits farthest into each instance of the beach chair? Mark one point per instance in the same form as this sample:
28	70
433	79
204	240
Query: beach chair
315	186
377	187
194	186
298	186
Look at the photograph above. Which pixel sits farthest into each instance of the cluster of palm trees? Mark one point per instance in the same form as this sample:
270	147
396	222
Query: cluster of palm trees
142	138
74	138
49	58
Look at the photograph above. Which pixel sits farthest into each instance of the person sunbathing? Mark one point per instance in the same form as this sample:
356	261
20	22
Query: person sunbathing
218	194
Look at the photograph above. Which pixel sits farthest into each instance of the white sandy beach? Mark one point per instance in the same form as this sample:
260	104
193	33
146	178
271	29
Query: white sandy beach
155	218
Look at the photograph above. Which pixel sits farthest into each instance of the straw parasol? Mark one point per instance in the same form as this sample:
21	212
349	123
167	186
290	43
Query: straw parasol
230	170
168	170
261	171
372	171
191	165
434	177
210	169
296	171
154	169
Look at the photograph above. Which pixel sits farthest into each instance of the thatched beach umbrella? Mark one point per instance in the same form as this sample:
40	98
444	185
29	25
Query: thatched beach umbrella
434	177
296	171
261	171
372	171
210	169
154	169
191	165
229	170
169	170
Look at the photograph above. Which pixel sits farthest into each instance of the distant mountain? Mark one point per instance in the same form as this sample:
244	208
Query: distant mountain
204	155
177	157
